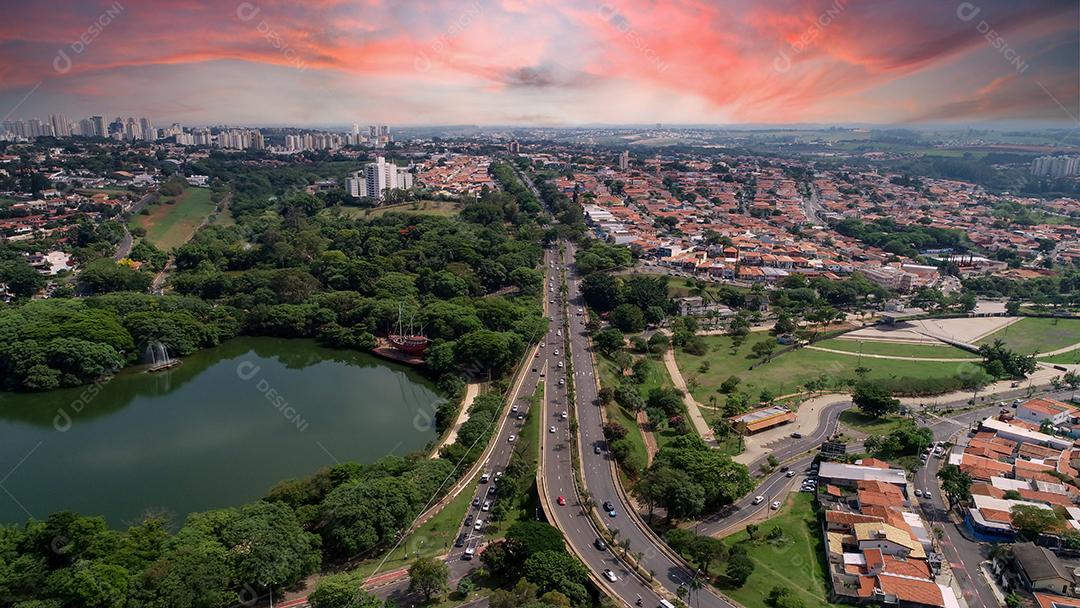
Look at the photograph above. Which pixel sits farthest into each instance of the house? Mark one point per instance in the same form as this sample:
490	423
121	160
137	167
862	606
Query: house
1038	569
1036	411
849	475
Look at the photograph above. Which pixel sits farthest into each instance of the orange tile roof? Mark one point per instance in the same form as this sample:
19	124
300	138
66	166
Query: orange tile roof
874	462
907	567
867	498
911	590
1048	600
841	517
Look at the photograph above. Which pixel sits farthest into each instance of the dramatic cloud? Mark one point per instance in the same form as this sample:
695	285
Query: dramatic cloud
543	61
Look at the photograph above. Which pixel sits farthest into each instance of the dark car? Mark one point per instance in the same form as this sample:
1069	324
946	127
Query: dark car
600	544
608	506
491	489
468	520
796	435
460	542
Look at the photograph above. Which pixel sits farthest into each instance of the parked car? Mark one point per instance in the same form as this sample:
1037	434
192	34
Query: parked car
487	506
479	524
460	542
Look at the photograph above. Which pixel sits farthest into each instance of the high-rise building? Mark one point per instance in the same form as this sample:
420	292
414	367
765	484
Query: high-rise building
60	125
100	128
1056	166
147	130
624	160
379	177
513	147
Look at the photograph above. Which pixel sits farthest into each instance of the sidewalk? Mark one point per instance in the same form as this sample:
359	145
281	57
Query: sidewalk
472	389
692	407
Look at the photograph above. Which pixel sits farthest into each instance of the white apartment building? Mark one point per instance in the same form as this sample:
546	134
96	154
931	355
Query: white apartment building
376	178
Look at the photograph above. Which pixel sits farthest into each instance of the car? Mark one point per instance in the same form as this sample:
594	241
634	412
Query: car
543	344
551	429
468	520
563	416
608	505
487	506
536	356
460	542
476	502
609	575
511	438
470	551
556	352
796	435
926	494
558	332
551	301
514	408
560	365
543	373
918	493
597	450
807	489
612	513
562	381
775	505
498	475
561	500
521	416
485	477
492	489
479	524
790	474
600	544
758	500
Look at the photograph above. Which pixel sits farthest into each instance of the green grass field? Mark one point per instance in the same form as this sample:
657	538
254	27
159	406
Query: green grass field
1068	358
870	425
787	373
1037	335
440	208
897	349
171	225
797	561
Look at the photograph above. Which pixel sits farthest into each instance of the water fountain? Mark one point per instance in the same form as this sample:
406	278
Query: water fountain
157	354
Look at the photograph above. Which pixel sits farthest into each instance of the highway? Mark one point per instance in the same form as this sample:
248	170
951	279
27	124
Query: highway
600	479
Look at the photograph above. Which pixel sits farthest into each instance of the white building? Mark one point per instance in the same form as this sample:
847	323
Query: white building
377	178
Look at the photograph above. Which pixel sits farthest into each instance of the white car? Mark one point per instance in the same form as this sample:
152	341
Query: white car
926	494
918	493
551	429
487	506
556	352
514	408
563	415
758	500
479	524
609	575
511	438
775	504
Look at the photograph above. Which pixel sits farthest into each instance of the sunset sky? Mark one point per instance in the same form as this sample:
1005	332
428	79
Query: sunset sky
543	62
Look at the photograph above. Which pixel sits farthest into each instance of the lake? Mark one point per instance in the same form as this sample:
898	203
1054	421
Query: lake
217	431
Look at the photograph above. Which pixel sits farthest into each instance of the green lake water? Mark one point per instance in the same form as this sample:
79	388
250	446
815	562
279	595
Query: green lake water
216	431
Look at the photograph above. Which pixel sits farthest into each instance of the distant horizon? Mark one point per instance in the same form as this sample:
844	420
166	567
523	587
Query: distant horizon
550	63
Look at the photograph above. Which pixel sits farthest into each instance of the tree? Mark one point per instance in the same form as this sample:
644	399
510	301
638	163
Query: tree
955	483
529	537
739	568
342	591
764	349
628	318
1030	521
874	400
602	291
429	576
609	340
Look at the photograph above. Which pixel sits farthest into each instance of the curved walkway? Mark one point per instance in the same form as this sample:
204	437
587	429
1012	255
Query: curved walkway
692	407
472	389
901	358
1060	351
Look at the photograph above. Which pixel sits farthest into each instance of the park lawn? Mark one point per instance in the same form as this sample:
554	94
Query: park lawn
1037	334
897	349
439	208
788	372
798	563
1071	357
609	377
170	225
871	425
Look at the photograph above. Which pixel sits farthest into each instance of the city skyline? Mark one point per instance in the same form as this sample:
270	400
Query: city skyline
544	63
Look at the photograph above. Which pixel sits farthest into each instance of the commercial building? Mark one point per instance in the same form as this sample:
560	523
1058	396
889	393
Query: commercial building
765	418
